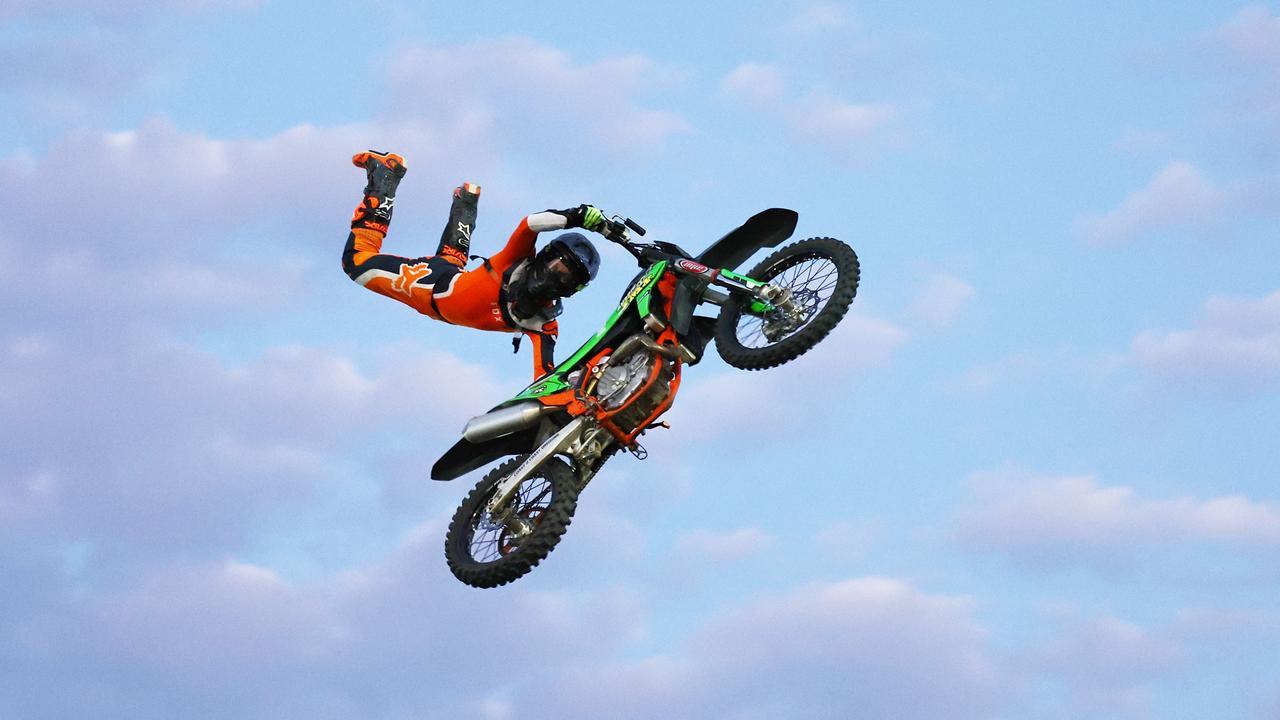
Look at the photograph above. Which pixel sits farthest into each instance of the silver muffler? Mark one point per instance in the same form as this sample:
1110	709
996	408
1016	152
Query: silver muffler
497	423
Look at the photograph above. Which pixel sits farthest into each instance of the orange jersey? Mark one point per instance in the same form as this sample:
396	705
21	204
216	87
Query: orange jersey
440	288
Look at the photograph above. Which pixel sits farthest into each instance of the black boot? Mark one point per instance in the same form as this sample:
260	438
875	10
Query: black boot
384	171
455	241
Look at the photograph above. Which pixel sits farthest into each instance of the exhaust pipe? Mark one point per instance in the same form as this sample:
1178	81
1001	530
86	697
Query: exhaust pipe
502	422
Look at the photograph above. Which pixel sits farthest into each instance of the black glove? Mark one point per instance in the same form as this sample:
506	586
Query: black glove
584	216
384	171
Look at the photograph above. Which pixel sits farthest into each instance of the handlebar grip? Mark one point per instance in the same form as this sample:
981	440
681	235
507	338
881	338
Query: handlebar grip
635	227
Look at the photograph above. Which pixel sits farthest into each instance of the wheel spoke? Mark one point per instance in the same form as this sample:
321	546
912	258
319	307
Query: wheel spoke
812	269
491	541
811	280
821	280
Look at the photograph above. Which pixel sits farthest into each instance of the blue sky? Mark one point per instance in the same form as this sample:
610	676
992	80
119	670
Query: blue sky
1032	475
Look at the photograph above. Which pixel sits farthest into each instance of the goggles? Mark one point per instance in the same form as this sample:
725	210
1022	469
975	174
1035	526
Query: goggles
564	270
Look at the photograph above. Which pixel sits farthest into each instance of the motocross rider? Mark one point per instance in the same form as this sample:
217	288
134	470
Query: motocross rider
516	290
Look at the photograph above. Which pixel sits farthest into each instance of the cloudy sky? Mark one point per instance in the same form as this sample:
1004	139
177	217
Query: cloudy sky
1032	475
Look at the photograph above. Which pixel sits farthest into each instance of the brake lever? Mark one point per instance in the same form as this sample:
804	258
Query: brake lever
617	230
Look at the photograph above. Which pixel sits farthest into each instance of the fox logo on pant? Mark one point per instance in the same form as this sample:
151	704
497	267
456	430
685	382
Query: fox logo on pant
409	274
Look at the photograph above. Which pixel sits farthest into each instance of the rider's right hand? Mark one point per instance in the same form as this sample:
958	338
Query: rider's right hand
585	216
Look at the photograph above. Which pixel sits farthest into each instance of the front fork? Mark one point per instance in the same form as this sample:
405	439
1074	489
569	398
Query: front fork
499	504
767	300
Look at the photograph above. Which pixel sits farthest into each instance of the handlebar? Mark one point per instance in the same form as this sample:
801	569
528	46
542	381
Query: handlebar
618	229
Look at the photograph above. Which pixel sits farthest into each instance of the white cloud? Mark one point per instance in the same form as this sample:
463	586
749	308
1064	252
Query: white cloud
54	65
65	74
698	549
855	133
1226	626
729	402
845	541
122	191
758	85
1105	666
982	379
819	118
1247	48
1177	197
119	185
1232	348
125	11
1145	142
237	220
860	341
1252	34
725	404
125	190
182	618
816	18
237	286
1040	520
233	638
873	647
1244	89
1239	62
26	495
534	94
1025	367
162	451
1234	344
940	301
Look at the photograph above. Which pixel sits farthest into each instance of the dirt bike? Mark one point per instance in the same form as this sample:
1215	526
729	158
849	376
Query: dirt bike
567	423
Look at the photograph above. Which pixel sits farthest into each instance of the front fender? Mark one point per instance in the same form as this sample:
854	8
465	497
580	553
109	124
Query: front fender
466	456
764	229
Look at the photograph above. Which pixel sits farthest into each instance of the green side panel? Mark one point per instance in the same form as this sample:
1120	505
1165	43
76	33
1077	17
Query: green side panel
646	295
557	380
549	385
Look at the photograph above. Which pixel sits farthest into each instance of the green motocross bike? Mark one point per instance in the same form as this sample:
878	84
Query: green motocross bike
562	428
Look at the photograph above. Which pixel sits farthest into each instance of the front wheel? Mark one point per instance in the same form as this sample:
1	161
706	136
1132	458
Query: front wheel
486	551
822	276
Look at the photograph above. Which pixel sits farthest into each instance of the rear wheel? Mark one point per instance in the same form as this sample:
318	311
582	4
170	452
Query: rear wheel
822	276
486	551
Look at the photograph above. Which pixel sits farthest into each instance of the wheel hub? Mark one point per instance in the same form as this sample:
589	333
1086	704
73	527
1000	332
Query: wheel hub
517	529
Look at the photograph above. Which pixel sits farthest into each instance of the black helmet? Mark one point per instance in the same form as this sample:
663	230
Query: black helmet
579	262
583	250
561	268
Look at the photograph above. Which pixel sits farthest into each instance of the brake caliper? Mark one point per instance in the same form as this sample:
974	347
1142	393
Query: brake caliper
783	316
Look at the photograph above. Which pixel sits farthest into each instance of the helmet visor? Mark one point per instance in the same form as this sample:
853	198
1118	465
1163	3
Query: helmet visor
565	271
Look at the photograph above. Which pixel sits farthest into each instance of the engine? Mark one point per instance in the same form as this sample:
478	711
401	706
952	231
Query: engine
634	388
